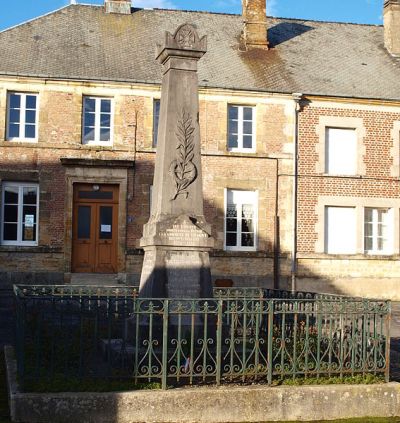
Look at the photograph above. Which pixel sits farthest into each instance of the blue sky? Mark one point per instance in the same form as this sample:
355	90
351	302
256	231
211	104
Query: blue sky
360	11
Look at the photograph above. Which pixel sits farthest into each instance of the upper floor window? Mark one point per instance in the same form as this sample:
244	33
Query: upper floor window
22	116
340	230
20	205
97	120
241	128
378	230
241	220
340	151
156	117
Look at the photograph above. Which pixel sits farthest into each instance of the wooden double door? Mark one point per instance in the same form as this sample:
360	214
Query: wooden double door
95	228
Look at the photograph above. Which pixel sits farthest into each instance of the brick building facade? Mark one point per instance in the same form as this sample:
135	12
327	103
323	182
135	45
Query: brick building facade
79	91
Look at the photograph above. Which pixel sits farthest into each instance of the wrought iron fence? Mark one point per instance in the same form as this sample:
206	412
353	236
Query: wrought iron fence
240	335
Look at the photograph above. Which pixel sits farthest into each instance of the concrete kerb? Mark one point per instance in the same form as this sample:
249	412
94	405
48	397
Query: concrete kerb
204	404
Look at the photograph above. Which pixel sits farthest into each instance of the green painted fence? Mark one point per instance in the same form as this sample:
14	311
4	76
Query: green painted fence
240	335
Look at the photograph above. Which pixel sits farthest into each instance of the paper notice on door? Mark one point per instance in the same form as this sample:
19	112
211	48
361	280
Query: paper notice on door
105	228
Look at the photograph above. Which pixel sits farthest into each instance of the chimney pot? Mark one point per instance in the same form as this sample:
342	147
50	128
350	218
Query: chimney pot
391	24
254	24
122	7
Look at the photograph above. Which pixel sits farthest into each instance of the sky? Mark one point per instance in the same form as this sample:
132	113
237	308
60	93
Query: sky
358	11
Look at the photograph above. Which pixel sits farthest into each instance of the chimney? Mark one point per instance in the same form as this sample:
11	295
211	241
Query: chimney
255	24
122	7
391	24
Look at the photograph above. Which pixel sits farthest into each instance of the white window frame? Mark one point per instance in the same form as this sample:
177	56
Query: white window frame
22	122
21	186
97	113
351	172
390	231
240	147
239	229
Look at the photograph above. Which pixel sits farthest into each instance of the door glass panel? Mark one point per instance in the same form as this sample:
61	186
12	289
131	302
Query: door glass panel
105	222
84	222
95	195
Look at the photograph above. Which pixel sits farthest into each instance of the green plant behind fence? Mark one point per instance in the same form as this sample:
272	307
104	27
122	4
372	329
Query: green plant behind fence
240	335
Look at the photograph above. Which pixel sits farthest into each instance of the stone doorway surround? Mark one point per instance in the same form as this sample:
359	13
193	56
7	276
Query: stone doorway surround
95	171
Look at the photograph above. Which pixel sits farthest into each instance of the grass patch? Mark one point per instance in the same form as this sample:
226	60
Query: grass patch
368	379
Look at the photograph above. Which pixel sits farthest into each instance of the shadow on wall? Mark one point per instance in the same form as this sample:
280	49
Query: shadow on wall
44	264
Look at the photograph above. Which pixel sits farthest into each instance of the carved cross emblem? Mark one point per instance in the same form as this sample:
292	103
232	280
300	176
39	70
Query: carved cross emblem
186	37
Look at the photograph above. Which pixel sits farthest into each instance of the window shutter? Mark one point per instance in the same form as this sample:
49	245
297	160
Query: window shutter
340	230
341	151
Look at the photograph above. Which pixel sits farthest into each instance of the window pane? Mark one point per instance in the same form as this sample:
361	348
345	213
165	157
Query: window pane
28	232
105	106
231	239
14	116
10	213
96	195
247	141
89	119
84	222
156	118
13	131
368	244
106	222
88	134
233	112
30	195
30	131
30	116
105	120
368	229
11	195
247	128
29	215
89	105
31	102
247	225
233	141
231	210
368	214
248	113
233	127
231	225
15	101
10	232
104	134
247	240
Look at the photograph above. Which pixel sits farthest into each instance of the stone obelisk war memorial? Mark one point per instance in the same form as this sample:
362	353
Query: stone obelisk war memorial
177	239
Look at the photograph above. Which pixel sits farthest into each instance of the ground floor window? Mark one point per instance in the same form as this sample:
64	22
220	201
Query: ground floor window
241	220
377	230
20	206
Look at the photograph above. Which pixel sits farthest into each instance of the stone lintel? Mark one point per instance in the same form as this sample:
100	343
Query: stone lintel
72	161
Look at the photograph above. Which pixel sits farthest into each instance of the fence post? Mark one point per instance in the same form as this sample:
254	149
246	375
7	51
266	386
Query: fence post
219	341
388	320
165	346
270	339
